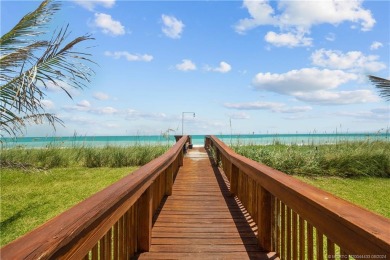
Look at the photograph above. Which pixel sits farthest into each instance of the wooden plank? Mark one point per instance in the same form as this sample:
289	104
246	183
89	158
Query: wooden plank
201	219
209	255
205	241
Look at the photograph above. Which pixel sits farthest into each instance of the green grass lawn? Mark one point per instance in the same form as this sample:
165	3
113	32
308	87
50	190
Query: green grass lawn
367	192
28	199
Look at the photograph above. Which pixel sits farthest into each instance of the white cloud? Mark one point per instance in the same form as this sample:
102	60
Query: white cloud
128	56
260	105
330	37
173	27
108	25
272	106
134	114
186	65
353	60
261	14
61	86
241	115
305	14
314	86
376	45
224	67
106	111
295	109
101	96
371	115
84	104
296	18
324	97
90	4
303	80
47	104
288	39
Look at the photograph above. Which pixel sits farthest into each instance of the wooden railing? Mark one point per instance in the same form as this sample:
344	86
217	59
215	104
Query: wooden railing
297	220
115	223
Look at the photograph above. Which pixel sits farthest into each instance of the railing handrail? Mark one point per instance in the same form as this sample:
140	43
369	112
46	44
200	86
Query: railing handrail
98	212
355	229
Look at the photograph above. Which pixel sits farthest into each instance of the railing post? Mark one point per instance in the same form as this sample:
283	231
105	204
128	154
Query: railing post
234	179
207	143
145	215
169	180
181	158
264	222
218	155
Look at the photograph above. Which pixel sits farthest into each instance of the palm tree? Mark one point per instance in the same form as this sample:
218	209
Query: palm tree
383	85
29	65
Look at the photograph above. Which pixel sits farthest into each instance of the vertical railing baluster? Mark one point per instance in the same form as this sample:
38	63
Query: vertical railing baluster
95	252
126	231
302	239
278	224
310	247
234	179
344	254
115	237
265	219
288	233
320	245
121	241
330	249
145	215
283	231
294	235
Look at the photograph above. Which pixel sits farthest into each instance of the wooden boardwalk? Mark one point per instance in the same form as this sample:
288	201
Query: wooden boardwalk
201	220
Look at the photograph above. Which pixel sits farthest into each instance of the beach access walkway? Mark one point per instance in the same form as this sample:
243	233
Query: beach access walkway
201	219
193	204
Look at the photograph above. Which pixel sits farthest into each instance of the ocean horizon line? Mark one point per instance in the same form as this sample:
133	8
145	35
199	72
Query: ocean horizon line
196	140
220	134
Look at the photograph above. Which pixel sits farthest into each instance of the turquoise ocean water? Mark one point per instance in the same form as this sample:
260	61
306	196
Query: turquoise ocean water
197	140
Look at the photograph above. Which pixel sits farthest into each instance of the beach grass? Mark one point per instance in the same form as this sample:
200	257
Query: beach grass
54	156
344	159
355	171
28	199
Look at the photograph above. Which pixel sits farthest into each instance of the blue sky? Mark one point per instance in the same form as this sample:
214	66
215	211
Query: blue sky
241	66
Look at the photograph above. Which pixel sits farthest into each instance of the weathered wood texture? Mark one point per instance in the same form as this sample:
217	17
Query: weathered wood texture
297	220
112	224
201	220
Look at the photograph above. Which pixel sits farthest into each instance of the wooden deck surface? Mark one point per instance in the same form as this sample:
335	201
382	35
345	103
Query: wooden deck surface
201	220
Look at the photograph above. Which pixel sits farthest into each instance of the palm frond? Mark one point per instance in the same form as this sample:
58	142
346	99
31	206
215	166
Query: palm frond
29	26
383	86
13	60
14	125
24	76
